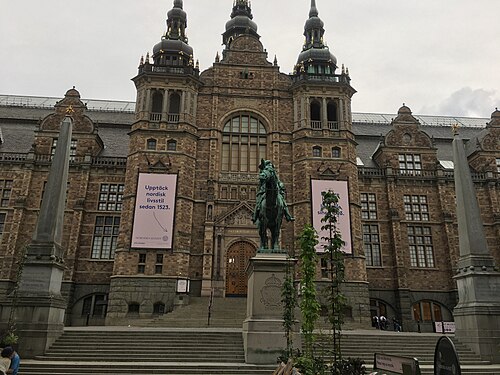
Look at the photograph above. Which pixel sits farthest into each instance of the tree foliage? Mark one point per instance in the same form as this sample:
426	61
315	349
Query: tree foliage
337	302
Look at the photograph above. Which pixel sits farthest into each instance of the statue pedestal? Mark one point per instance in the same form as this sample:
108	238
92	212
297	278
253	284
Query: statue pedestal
263	333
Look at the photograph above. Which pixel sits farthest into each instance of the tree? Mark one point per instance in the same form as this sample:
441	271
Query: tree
337	302
289	299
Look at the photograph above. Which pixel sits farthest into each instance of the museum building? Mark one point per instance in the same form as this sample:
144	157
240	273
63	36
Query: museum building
210	131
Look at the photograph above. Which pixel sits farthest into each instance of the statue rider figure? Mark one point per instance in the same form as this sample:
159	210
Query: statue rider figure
267	166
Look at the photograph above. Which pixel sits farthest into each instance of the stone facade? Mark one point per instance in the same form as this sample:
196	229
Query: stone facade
403	267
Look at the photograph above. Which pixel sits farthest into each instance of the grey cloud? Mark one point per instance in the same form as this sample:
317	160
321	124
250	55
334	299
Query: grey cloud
466	102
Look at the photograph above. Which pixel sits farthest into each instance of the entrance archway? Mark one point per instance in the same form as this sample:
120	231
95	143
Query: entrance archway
237	258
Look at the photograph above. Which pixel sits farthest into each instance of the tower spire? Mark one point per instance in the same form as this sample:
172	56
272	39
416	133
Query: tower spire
313	12
315	57
174	49
240	22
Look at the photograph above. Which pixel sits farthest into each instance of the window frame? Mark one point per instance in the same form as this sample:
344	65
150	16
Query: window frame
105	200
416	207
420	313
372	245
410	164
105	234
151	144
420	246
6	187
244	143
317	152
3	220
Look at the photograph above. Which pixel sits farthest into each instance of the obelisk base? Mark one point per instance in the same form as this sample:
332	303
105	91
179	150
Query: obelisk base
39	306
477	315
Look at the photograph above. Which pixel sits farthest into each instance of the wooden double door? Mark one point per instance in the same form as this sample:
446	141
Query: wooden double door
237	257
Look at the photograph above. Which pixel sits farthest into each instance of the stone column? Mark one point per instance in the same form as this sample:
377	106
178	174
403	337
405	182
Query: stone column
40	307
263	334
477	315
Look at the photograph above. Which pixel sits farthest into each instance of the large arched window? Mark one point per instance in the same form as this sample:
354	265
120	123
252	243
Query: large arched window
427	311
244	143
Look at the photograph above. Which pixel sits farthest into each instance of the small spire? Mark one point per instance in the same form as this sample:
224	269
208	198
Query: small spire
141	62
217	58
147	58
275	61
314	11
347	71
343	69
197	67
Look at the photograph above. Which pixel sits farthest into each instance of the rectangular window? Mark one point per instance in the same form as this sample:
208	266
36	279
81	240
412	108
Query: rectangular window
410	164
159	263
368	206
324	268
5	192
141	267
2	221
72	150
105	237
416	208
498	165
421	248
371	241
110	197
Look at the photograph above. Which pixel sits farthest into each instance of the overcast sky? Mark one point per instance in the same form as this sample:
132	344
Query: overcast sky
439	57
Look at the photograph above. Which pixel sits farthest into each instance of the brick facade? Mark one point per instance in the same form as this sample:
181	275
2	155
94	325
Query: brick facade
214	206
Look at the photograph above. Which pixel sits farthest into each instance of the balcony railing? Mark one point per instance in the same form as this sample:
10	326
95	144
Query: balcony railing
155	117
173	118
333	125
109	161
13	157
169	69
316	124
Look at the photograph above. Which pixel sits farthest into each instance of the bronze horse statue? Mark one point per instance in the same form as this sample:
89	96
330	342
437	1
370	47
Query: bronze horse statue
270	207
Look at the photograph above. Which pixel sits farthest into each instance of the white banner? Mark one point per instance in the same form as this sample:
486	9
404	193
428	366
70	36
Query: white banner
154	211
344	223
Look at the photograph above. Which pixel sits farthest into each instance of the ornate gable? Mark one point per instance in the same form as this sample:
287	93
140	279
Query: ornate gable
241	215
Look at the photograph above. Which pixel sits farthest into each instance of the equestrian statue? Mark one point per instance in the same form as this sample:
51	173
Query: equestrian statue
270	207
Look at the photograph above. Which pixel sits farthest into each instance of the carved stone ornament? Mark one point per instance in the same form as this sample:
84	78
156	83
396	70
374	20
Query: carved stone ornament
271	293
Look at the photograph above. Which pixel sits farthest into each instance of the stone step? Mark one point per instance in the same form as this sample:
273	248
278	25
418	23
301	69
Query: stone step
176	351
140	368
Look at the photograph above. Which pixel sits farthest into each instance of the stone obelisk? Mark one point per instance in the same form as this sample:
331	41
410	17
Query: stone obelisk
477	315
40	308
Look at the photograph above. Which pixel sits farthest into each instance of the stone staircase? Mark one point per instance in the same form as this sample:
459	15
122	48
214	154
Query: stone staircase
225	312
364	343
144	351
174	351
182	342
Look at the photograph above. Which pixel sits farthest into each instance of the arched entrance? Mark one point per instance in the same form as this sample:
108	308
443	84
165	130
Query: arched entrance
237	258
